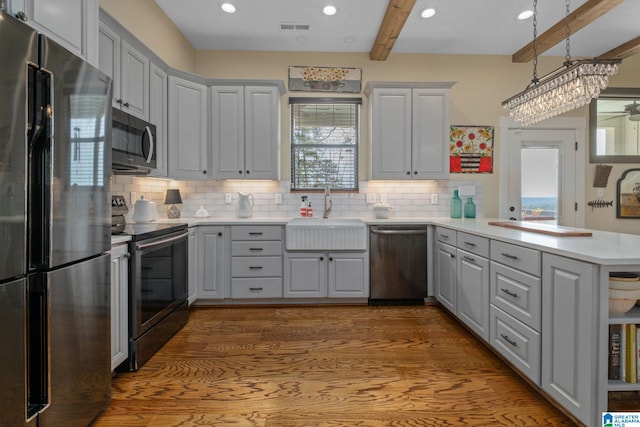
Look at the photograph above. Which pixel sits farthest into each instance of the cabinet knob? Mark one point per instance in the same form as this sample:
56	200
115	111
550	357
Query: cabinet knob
119	101
220	233
408	173
126	104
127	255
330	258
22	16
415	172
204	172
248	172
321	258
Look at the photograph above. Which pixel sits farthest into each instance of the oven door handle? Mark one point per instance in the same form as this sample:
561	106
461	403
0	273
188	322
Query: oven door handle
144	246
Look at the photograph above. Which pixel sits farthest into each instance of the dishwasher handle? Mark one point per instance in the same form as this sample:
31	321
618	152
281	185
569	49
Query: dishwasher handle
396	231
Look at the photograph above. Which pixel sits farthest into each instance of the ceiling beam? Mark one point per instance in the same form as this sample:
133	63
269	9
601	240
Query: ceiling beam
623	51
579	18
394	18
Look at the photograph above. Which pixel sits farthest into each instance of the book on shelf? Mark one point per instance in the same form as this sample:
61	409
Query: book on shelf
631	354
614	351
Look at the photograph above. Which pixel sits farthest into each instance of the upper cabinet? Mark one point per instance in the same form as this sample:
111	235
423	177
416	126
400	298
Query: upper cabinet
71	23
129	70
188	142
245	131
158	115
410	130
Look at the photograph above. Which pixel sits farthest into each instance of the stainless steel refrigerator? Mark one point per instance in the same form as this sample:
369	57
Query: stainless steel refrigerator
55	120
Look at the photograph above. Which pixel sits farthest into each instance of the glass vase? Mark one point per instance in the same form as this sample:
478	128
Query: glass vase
455	205
470	208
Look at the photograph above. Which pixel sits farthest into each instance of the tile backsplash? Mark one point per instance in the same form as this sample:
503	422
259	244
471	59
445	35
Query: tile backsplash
408	198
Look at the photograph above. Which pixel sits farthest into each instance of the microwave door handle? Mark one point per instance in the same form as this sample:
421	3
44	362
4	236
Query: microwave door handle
147	130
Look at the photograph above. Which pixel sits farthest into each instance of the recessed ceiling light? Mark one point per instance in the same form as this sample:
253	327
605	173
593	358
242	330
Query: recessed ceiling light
301	39
349	39
525	15
428	13
228	7
329	10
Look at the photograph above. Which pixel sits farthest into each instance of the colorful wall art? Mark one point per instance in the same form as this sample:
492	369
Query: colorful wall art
325	79
471	149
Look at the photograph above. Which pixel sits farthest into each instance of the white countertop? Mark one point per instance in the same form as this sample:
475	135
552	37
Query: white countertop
603	247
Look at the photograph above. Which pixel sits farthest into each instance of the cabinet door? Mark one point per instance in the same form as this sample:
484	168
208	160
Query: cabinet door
445	275
569	328
227	127
391	134
473	292
158	98
193	264
134	81
109	59
262	124
348	275
70	23
430	134
119	305
214	263
305	275
187	129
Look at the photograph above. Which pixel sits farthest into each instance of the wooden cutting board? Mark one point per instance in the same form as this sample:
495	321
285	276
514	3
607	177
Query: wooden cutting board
552	230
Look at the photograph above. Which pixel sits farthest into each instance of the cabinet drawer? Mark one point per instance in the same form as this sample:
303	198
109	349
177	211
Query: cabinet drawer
446	235
525	259
266	266
256	232
517	293
256	288
517	342
257	248
474	244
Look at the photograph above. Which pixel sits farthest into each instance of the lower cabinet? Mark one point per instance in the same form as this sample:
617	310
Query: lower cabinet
569	334
326	274
119	304
213	260
193	265
473	291
445	275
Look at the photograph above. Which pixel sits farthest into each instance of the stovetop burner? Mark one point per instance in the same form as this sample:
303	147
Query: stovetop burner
147	230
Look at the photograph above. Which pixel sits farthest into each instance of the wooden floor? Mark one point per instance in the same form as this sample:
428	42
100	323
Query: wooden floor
325	366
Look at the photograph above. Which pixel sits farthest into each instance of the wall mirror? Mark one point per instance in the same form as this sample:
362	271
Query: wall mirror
614	126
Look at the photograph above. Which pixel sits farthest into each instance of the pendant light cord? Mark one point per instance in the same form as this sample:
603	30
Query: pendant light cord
567	56
535	49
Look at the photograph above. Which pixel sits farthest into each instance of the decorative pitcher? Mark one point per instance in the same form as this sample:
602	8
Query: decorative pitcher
245	205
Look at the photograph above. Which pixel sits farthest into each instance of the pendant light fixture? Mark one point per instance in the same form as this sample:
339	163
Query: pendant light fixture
567	88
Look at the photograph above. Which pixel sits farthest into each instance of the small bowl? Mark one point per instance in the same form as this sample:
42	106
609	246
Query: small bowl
620	306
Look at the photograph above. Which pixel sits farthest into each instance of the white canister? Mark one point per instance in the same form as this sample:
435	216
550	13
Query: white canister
382	210
144	210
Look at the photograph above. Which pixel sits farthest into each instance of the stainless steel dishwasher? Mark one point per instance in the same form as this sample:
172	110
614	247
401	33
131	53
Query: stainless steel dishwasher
398	270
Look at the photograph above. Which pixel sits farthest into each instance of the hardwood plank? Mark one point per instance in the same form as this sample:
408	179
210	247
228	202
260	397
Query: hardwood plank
325	366
623	51
394	18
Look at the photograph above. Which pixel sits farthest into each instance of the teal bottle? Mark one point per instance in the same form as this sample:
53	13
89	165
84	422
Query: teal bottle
456	205
470	208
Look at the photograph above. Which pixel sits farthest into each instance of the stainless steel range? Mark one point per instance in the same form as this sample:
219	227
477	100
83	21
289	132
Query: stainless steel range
158	280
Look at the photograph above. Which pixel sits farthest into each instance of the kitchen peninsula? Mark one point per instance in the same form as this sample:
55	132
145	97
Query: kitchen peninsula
567	334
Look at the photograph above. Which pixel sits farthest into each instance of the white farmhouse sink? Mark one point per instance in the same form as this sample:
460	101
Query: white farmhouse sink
330	234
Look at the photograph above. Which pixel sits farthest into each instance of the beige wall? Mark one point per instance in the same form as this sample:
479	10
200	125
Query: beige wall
482	83
147	22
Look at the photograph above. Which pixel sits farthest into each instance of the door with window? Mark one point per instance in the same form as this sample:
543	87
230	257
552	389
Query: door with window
542	183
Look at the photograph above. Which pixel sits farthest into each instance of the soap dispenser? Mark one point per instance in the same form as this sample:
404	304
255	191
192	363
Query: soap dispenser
303	206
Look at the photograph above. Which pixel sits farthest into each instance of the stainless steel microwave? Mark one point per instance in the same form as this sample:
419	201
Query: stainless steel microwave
133	144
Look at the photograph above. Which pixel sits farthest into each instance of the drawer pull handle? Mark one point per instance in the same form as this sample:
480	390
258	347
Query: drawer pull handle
468	258
444	236
255	267
255	233
473	245
256	289
256	249
508	292
507	339
509	256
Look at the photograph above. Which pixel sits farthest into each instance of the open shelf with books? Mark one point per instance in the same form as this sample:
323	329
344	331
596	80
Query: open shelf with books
632	316
624	357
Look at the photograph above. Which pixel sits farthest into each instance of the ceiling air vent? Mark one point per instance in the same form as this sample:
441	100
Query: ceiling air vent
290	26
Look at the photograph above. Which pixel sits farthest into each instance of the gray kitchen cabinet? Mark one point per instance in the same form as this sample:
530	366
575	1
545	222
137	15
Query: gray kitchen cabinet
569	333
410	130
473	291
445	275
71	23
245	123
129	70
194	274
326	274
119	304
158	115
213	262
187	128
256	261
